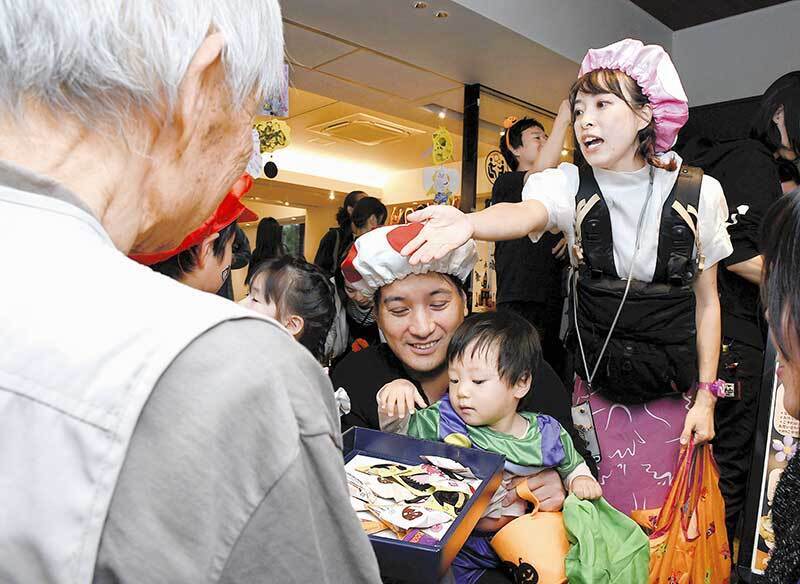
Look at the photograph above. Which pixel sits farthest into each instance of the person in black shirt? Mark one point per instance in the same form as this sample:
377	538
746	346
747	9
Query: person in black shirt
269	244
749	178
529	274
334	244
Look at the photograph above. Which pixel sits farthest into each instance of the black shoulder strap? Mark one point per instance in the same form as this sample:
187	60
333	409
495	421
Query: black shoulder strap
593	226
679	228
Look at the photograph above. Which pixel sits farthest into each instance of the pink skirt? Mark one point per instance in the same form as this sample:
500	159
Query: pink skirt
639	445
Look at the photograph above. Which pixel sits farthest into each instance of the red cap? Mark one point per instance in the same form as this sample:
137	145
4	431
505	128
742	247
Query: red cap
229	210
247	216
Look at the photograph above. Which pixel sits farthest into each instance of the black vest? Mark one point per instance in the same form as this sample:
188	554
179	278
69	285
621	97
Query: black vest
652	352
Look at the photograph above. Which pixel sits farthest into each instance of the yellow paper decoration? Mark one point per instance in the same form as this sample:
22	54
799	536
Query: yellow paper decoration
272	135
442	146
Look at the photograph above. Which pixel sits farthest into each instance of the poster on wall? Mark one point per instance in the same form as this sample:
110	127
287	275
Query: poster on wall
398	213
776	444
440	184
495	165
484	279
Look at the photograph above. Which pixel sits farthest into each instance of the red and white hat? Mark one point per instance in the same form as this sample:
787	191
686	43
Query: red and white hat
651	67
230	209
375	261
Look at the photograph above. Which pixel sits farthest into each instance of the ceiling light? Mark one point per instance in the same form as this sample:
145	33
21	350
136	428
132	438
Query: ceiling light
420	5
332	196
442	114
564	152
442	14
286	203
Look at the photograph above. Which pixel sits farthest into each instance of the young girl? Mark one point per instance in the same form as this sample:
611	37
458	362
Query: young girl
296	294
644	245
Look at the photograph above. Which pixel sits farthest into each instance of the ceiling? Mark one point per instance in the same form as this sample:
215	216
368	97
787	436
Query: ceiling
279	193
463	48
332	78
679	14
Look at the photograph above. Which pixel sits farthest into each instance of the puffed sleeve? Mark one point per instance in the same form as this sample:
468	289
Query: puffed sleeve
555	188
712	222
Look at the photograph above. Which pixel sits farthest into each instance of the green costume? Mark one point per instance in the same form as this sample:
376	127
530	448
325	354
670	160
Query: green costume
545	444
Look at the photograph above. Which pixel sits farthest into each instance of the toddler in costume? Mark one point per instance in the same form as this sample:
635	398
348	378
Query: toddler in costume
490	361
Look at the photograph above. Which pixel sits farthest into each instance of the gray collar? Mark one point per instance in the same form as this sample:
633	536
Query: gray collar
22	179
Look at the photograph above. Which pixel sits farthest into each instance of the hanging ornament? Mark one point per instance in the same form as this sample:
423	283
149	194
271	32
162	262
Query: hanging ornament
271	169
442	146
272	135
442	180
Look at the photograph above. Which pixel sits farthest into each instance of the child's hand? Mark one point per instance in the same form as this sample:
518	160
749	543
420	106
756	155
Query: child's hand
586	488
398	397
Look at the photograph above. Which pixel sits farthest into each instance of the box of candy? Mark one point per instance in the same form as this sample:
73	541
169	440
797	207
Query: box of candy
417	500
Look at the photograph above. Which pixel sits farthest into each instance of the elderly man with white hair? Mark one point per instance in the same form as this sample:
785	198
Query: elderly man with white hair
148	432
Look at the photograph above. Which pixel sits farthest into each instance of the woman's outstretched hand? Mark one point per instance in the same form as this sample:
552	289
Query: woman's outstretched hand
445	229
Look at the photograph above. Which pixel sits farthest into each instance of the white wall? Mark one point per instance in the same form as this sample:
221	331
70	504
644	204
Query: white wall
738	56
571	27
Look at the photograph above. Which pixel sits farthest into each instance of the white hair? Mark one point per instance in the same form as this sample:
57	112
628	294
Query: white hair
101	58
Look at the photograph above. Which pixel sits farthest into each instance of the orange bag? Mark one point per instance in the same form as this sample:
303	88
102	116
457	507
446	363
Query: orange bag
688	541
534	546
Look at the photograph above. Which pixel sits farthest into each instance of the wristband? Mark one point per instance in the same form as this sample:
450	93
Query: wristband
715	388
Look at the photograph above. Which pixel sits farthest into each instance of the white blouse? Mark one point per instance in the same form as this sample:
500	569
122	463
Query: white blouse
625	194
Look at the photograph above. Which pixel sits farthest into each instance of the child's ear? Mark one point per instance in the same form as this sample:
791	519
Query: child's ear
295	324
523	386
206	249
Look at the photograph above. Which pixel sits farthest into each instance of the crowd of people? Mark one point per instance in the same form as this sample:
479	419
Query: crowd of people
155	430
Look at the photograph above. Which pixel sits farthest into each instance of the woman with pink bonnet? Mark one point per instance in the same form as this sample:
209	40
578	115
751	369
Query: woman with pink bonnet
645	235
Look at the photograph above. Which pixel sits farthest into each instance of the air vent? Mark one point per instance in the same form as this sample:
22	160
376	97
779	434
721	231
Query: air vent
364	129
321	142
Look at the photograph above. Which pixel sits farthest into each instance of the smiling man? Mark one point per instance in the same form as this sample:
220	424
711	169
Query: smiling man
418	309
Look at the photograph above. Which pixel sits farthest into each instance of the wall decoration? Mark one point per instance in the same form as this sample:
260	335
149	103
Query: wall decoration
495	165
442	146
440	183
277	105
272	135
397	213
255	164
484	279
